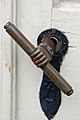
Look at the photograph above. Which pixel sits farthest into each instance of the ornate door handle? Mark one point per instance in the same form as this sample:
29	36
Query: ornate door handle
48	69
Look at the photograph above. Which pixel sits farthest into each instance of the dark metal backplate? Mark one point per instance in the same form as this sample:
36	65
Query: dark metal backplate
50	94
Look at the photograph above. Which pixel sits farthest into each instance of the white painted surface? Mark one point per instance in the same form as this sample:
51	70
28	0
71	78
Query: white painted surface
37	17
7	62
66	18
19	78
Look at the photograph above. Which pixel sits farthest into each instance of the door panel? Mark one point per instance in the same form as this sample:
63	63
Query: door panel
65	17
32	18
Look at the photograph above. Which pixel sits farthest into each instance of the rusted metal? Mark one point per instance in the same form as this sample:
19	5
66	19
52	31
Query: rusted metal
28	47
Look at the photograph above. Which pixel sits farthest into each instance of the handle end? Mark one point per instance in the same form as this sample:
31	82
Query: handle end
7	25
70	93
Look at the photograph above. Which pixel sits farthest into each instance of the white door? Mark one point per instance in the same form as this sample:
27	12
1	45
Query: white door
21	87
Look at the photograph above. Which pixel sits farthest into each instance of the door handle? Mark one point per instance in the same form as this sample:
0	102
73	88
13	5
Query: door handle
48	69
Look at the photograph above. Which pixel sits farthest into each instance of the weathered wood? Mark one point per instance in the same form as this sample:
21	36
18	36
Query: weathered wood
65	17
7	63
